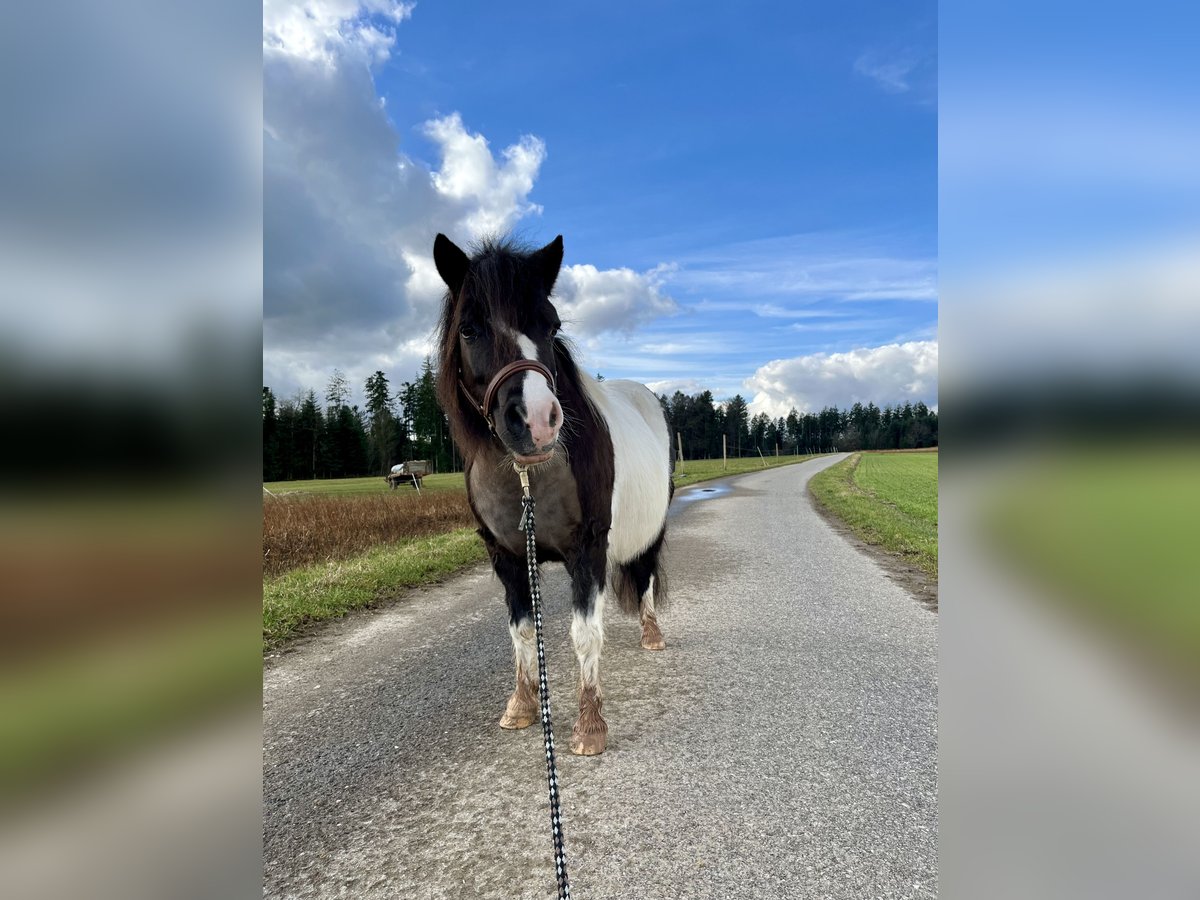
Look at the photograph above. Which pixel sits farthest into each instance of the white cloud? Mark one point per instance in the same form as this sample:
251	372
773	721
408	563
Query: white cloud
1126	312
893	373
349	222
669	386
593	301
326	30
492	196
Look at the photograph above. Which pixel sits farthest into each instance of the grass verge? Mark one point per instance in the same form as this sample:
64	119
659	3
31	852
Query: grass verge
889	500
328	590
91	702
1113	533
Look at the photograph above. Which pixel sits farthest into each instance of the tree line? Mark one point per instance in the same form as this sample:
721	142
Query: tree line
702	426
304	439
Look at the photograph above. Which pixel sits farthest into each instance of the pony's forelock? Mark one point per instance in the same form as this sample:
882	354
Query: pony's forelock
498	263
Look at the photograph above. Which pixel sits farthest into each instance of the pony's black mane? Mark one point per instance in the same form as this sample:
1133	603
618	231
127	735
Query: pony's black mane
501	279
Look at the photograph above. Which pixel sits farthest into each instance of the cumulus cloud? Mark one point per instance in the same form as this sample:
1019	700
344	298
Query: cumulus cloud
1130	312
349	222
325	31
492	196
593	301
893	373
669	386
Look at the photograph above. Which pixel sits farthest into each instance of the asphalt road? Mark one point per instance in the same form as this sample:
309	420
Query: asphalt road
784	745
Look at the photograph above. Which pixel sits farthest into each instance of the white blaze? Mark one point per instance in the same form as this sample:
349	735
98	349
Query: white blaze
541	406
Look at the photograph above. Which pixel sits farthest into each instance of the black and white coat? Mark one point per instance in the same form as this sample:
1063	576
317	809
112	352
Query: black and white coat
599	454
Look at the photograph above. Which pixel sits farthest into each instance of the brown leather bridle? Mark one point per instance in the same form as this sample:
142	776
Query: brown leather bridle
521	365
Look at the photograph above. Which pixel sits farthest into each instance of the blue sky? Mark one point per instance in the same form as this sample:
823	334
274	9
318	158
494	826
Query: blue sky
748	193
1072	137
1070	192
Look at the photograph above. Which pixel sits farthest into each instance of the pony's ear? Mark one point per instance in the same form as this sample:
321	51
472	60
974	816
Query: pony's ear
451	262
549	260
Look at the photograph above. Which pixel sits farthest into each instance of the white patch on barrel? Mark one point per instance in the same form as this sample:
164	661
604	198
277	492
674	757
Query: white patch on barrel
524	639
587	633
641	464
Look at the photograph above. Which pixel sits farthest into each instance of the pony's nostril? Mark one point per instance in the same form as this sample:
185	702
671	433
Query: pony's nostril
553	417
514	417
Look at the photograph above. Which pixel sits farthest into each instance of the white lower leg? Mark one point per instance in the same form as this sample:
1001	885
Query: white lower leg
587	633
648	602
522	703
524	640
589	735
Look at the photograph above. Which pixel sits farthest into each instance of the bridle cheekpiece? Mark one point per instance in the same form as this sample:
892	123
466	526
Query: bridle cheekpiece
489	396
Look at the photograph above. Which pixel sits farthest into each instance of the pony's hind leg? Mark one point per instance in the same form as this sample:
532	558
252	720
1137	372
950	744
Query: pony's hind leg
590	734
522	708
649	581
652	636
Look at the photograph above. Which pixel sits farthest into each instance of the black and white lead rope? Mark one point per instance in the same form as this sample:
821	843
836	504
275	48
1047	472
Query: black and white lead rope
560	852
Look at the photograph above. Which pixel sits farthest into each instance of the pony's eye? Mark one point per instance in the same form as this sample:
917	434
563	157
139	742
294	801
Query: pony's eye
469	332
553	330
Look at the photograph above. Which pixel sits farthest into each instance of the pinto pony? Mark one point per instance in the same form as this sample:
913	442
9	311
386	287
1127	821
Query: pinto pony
599	458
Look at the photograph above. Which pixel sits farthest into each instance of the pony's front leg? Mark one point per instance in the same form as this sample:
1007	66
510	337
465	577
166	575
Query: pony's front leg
590	733
522	708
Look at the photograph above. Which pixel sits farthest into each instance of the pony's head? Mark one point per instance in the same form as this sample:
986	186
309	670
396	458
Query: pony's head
498	362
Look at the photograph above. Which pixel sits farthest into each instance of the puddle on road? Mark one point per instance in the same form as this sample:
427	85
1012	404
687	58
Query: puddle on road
691	494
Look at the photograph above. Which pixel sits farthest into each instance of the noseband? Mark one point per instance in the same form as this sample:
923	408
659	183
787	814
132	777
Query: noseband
521	365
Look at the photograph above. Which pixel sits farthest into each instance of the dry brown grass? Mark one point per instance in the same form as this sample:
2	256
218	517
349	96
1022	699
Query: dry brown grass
300	530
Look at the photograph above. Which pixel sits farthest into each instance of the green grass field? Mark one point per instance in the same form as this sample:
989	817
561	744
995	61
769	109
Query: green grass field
372	484
1115	534
887	499
685	473
326	590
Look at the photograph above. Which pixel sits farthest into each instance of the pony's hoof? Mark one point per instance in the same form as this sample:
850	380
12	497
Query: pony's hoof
510	722
652	638
588	744
590	733
521	711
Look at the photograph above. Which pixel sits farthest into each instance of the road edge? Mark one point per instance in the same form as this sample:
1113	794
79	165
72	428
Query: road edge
915	582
